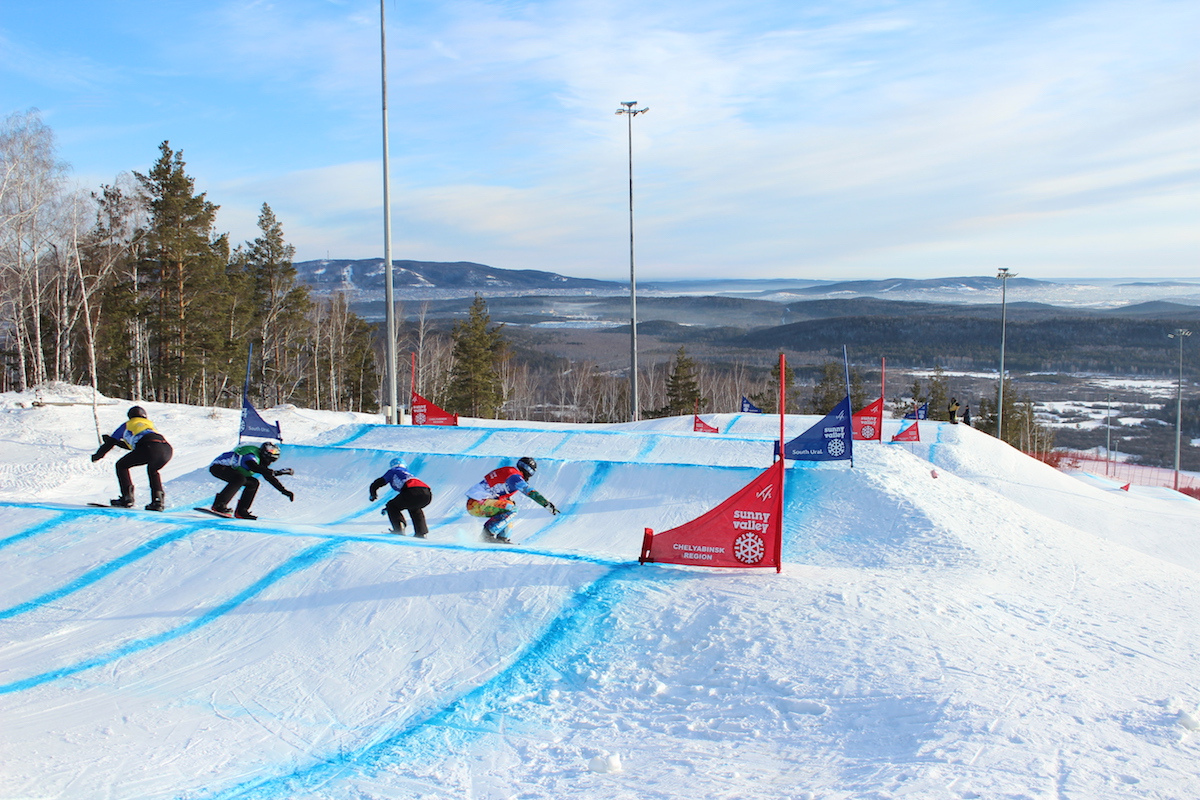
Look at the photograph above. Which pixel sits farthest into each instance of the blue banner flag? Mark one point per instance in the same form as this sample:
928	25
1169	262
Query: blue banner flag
749	408
254	425
920	413
831	439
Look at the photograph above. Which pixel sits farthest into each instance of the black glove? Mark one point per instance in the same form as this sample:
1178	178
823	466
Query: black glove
285	471
374	497
291	497
553	509
97	456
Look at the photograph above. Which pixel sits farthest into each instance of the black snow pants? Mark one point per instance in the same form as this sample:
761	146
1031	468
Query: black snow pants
234	480
154	453
411	499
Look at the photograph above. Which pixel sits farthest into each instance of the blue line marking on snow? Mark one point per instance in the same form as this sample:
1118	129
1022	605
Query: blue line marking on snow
646	449
100	572
361	432
302	560
574	631
486	435
600	471
41	527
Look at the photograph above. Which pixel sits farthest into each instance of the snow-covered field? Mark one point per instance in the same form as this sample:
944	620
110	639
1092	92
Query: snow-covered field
981	626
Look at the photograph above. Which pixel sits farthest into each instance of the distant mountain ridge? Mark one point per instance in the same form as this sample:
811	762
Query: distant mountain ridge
367	275
436	280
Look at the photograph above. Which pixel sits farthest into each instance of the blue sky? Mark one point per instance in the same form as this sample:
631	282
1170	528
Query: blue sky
787	138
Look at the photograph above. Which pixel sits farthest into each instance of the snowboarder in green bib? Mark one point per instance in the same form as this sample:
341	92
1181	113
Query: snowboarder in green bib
492	497
238	468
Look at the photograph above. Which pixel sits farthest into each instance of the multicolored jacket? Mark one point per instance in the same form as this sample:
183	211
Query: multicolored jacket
503	483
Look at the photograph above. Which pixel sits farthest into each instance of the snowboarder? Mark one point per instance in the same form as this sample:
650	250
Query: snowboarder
413	494
238	468
492	497
952	410
147	446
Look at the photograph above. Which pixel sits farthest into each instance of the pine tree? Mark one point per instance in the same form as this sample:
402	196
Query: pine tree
683	388
768	399
278	304
476	389
830	388
182	285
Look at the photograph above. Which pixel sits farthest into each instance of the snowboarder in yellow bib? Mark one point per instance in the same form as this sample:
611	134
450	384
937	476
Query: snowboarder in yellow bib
147	446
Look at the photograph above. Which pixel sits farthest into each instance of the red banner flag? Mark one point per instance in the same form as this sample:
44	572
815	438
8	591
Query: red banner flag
427	413
868	423
744	531
909	434
700	426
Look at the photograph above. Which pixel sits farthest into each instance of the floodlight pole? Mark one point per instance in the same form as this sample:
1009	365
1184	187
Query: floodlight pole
1108	434
1003	275
389	297
634	413
1179	334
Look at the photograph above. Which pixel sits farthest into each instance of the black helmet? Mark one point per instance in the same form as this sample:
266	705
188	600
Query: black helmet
137	411
527	466
269	451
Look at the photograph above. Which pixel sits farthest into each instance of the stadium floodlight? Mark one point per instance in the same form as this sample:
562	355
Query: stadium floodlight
634	414
1003	275
1179	334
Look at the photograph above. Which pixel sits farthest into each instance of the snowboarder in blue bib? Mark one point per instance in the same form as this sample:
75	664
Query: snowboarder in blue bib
147	446
238	468
492	497
413	494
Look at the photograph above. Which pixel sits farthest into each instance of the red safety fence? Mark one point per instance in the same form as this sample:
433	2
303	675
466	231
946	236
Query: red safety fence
1121	471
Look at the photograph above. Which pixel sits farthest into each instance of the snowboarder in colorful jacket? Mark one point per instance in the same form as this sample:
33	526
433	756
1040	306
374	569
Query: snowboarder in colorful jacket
238	468
492	497
413	494
147	446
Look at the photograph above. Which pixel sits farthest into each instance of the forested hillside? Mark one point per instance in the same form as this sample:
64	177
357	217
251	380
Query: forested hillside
132	289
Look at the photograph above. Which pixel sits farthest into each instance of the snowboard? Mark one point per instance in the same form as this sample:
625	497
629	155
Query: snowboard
214	513
111	507
487	537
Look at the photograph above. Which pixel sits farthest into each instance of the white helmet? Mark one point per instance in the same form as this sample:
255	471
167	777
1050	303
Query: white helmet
398	463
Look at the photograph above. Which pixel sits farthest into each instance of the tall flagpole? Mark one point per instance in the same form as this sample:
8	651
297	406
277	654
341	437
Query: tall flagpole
389	297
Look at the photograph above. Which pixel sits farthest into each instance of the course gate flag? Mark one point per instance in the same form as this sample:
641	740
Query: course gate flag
828	440
749	408
254	425
910	434
920	413
427	413
868	423
700	426
744	531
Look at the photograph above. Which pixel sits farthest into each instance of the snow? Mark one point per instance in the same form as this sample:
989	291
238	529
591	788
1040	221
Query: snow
1003	630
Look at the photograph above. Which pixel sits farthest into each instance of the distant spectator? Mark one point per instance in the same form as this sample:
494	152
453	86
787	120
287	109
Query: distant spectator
952	410
966	417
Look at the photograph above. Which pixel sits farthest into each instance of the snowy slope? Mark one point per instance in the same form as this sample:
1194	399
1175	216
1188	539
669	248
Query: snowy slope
999	630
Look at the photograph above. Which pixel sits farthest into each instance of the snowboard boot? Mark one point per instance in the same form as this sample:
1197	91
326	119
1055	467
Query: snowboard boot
124	501
240	514
224	511
158	503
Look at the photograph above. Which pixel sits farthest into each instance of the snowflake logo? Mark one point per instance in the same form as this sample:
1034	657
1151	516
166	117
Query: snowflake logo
420	418
868	431
836	447
749	548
